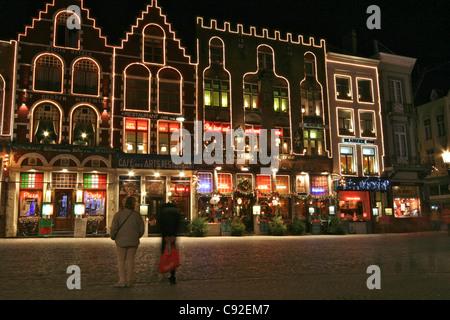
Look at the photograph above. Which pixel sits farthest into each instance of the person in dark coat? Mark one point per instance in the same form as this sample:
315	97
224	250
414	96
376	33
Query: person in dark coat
169	217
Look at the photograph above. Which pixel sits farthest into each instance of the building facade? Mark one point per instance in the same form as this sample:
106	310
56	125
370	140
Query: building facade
358	142
257	81
402	159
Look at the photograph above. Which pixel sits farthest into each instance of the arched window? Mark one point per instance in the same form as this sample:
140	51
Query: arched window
85	77
265	58
137	88
46	124
65	37
169	90
48	73
217	79
153	51
84	124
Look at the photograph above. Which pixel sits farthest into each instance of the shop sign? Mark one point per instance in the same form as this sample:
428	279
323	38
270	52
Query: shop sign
358	141
364	184
61	149
147	115
405	192
150	162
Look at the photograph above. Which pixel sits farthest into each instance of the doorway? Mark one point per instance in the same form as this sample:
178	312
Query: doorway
63	210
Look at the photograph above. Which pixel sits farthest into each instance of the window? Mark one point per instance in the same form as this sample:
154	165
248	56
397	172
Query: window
309	68
395	91
400	144
367	123
217	93
429	157
347	159
169	91
252	133
427	127
365	90
85	77
264	183
369	160
442	130
224	183
153	44
251	100
265	58
216	51
65	37
94	181
205	183
311	103
283	185
48	74
31	180
280	100
319	185
46	124
137	88
343	88
300	184
313	142
283	140
64	180
84	122
345	122
136	136
165	145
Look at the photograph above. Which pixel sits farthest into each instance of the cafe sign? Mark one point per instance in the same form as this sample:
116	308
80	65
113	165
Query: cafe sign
127	161
358	141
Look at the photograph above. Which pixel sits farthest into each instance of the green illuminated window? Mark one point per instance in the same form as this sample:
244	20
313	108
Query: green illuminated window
94	181
31	180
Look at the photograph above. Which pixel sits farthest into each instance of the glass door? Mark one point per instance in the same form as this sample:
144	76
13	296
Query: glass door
63	210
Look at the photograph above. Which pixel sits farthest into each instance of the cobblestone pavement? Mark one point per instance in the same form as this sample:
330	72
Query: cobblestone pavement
413	266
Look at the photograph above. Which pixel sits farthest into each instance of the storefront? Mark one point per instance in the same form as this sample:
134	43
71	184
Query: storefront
406	201
95	199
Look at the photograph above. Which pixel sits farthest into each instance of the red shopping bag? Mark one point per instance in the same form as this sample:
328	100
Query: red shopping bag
170	259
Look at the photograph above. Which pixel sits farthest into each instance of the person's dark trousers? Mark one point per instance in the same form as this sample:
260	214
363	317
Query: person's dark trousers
172	277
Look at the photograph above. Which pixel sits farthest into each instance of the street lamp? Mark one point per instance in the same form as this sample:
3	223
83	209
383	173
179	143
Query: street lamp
446	158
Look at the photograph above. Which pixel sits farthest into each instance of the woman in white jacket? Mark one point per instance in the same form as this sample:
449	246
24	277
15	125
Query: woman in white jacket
126	229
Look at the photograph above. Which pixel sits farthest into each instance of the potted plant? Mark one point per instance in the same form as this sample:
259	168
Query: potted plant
277	227
198	227
29	224
237	227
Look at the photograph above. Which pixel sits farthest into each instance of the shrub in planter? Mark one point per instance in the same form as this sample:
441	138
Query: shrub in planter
237	227
335	226
277	227
198	227
298	227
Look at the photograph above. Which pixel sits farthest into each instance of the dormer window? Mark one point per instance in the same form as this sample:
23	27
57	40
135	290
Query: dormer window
65	37
153	51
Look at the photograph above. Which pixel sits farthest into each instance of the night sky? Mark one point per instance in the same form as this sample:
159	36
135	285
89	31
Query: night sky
419	29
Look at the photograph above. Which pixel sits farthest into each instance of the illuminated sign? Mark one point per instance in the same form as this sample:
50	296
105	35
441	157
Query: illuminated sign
47	209
364	184
318	190
79	208
358	141
29	195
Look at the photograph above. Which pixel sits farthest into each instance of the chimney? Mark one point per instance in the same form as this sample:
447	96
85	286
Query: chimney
349	42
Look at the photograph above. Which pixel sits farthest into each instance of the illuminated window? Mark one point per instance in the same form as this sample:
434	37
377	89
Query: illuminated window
64	180
318	185
169	91
369	160
94	181
282	184
137	86
165	145
136	136
264	183
300	184
46	122
343	88
280	100
345	121
313	142
367	123
224	183
205	182
217	93
31	180
85	77
84	121
283	140
48	74
251	96
154	44
311	97
365	90
65	37
347	159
